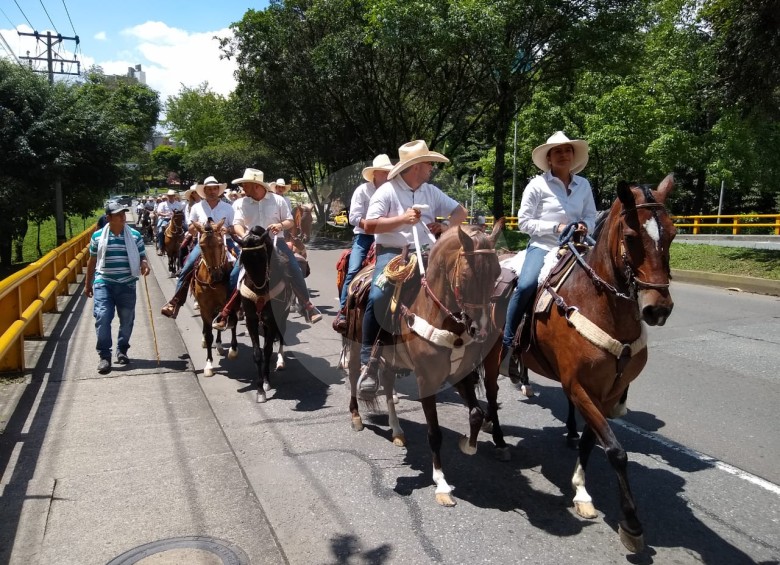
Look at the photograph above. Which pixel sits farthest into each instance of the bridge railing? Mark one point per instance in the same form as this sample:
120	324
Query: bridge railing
26	295
735	222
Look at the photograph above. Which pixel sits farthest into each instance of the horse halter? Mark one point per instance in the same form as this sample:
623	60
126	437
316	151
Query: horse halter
629	271
216	272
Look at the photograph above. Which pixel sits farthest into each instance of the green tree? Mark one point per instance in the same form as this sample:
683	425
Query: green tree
197	117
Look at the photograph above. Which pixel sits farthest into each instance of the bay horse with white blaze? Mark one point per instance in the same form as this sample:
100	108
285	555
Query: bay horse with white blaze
445	334
266	296
592	339
209	286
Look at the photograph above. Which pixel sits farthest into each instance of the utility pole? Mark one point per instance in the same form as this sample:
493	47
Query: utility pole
50	41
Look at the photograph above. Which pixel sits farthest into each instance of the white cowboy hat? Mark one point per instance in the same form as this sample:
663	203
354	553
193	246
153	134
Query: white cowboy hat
171	192
253	175
210	181
280	183
539	155
381	163
412	153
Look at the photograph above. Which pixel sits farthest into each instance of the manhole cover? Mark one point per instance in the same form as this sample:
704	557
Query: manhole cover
192	550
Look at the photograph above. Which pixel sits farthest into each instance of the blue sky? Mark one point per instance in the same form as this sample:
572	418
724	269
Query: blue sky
171	39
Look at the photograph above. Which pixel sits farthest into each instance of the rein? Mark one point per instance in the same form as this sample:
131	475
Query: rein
212	270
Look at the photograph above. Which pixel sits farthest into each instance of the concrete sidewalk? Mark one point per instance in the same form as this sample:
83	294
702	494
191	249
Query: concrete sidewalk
95	467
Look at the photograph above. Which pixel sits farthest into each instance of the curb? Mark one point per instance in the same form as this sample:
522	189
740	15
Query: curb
732	282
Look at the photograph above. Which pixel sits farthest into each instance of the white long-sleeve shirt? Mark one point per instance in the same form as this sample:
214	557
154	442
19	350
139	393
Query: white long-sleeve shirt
359	205
546	204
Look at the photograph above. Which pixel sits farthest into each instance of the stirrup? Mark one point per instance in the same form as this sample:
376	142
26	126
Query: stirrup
222	323
368	382
311	314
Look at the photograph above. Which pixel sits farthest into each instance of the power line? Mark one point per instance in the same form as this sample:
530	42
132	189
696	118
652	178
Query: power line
48	16
25	15
7	18
71	21
10	51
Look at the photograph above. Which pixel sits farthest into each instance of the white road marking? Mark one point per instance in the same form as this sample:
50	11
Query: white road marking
744	475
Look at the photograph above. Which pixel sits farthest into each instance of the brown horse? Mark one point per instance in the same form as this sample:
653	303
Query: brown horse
265	297
453	311
592	339
209	286
174	235
302	222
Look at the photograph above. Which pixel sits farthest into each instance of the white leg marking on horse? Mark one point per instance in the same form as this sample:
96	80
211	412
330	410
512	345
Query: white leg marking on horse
441	484
578	482
208	371
280	366
651	227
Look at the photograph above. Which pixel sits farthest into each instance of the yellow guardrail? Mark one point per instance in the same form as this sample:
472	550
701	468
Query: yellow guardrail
27	294
735	222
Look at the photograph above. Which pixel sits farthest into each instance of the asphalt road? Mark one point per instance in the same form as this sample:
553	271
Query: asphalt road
701	434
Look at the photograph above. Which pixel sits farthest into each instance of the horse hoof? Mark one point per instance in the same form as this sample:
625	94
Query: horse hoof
281	367
208	372
233	354
357	424
633	543
527	390
445	499
399	440
618	411
573	441
260	397
487	427
586	510
395	398
267	386
503	454
220	350
465	447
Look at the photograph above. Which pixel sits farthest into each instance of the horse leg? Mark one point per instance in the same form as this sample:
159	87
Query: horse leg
620	409
280	366
630	528
233	353
443	490
208	337
571	425
218	342
252	326
268	348
468	444
491	362
388	384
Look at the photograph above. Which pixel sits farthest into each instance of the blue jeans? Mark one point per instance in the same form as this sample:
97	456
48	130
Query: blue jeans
525	290
162	223
298	284
378	308
189	265
107	298
360	246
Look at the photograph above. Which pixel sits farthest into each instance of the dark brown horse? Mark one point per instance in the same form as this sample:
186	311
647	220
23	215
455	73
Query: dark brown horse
209	286
593	340
453	311
174	235
265	297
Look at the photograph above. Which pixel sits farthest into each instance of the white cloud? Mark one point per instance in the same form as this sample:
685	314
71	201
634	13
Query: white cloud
173	57
101	36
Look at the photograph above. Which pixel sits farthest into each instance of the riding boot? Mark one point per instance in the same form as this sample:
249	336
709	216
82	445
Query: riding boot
368	382
171	310
227	318
311	313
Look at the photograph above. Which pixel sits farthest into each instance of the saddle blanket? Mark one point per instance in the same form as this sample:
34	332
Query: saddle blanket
515	263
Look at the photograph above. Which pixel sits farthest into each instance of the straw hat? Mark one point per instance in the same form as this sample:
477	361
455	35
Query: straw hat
381	163
412	153
539	155
253	175
171	192
210	181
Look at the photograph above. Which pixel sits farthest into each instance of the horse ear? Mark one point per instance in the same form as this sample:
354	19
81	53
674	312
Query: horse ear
219	225
665	188
465	241
498	227
625	195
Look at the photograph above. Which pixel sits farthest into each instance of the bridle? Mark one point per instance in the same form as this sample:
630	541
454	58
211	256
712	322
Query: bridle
216	272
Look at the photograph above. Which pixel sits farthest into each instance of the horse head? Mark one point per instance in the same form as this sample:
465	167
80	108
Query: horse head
257	249
470	264
212	248
641	247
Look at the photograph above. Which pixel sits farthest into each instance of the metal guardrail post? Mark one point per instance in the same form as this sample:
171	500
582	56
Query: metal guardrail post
735	228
